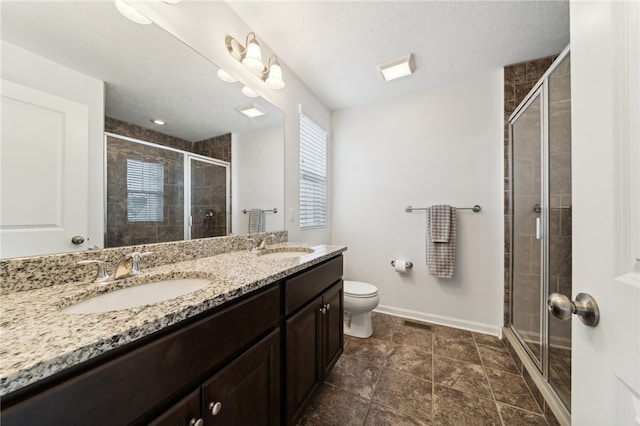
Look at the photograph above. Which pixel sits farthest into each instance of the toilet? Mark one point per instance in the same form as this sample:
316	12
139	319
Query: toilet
359	300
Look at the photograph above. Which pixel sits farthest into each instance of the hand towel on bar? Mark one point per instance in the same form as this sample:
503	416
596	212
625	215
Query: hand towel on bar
441	256
440	222
256	221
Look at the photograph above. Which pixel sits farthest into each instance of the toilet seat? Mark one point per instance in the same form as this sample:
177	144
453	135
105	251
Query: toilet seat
359	289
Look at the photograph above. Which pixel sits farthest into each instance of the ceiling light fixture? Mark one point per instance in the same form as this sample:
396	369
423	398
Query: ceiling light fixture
251	112
398	68
131	13
158	121
250	56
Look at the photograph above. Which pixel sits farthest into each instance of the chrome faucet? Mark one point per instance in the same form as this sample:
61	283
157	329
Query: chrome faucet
101	273
260	244
129	266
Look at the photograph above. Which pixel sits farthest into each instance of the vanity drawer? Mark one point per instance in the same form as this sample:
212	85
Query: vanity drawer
123	389
302	288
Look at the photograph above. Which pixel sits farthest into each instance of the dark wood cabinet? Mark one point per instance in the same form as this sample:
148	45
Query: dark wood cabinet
247	391
314	333
257	360
138	382
187	412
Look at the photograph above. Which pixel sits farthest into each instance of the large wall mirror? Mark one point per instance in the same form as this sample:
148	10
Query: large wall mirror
139	73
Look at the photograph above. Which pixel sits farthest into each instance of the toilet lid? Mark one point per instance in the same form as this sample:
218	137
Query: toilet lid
359	289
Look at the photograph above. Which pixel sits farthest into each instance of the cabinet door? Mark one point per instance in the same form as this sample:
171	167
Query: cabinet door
304	371
184	413
247	391
333	326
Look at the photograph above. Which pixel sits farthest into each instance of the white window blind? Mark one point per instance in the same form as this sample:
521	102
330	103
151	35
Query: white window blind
145	191
313	174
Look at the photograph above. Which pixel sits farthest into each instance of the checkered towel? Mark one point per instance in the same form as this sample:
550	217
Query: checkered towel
441	242
256	221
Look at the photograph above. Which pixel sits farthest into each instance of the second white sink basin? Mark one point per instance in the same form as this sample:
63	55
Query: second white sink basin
140	295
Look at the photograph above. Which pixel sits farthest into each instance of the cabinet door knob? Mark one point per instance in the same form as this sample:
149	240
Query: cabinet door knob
215	407
195	422
328	306
323	310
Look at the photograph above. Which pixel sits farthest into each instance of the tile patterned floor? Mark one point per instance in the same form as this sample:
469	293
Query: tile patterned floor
423	375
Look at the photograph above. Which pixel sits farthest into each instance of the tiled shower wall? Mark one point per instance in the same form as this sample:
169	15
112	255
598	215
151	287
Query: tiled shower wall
208	191
519	79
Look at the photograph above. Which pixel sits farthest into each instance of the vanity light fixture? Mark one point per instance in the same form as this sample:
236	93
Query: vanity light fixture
248	91
250	56
398	68
251	112
158	121
131	13
225	76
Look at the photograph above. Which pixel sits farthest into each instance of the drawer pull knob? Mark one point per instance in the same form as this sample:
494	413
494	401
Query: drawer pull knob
215	407
195	422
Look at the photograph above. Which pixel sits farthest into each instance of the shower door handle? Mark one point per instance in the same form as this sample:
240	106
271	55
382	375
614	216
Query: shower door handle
538	228
585	307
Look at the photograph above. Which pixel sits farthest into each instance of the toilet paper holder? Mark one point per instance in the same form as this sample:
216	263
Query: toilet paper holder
407	264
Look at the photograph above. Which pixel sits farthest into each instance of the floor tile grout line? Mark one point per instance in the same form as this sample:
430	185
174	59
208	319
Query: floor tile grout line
484	369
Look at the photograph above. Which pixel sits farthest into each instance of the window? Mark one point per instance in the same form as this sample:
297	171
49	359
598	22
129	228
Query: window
145	191
313	174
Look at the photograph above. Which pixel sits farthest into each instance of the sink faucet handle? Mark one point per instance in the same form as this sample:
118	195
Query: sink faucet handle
101	272
135	258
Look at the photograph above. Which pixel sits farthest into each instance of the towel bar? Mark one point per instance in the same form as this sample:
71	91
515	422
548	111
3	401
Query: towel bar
475	208
245	211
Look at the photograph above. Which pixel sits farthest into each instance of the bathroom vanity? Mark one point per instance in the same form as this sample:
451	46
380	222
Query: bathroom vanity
251	348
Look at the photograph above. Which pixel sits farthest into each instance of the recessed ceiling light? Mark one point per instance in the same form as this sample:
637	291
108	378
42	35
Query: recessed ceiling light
171	1
248	91
131	13
158	121
225	76
398	68
252	112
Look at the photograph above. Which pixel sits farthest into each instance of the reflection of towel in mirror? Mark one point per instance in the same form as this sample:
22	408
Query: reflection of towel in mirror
256	221
441	240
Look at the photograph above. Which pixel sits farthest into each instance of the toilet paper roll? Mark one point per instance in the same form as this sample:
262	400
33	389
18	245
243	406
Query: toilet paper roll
401	265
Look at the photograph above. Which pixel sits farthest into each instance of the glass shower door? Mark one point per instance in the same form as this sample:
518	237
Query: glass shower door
526	244
559	274
209	198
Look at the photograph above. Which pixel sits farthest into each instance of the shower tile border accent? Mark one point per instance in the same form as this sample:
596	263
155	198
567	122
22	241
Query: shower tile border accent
29	273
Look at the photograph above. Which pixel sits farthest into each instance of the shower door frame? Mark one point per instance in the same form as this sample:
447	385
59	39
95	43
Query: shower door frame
540	89
186	157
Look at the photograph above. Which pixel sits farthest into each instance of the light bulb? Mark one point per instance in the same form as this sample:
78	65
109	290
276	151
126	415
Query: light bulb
253	57
274	79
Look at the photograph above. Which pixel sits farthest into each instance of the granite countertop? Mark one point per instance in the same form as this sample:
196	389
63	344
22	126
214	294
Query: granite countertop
37	340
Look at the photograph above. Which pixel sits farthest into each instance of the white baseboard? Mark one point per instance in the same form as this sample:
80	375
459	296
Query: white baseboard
494	330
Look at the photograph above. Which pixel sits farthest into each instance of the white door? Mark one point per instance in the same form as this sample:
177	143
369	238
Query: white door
605	46
43	186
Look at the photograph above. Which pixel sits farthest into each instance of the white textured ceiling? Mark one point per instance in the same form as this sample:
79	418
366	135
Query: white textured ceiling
335	46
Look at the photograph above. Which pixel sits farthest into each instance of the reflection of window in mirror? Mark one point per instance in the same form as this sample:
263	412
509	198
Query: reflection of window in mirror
145	191
313	174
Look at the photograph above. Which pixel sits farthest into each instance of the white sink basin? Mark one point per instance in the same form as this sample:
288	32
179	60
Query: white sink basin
285	253
140	295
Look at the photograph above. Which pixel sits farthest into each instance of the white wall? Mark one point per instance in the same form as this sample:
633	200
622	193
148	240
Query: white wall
28	69
258	175
204	26
436	147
